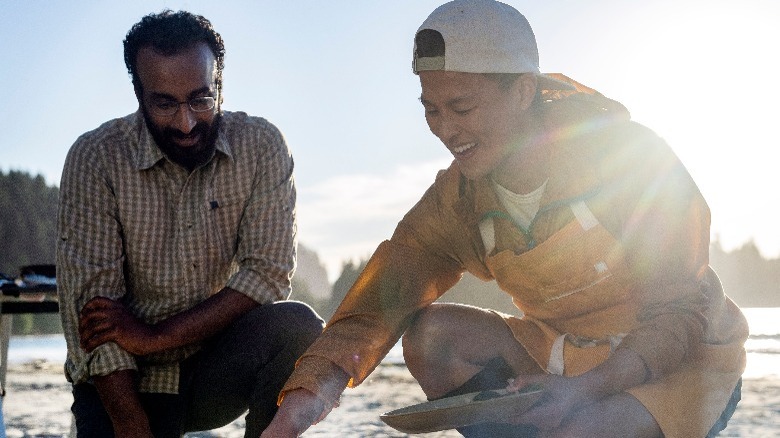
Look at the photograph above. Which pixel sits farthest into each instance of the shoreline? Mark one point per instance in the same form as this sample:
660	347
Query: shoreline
38	402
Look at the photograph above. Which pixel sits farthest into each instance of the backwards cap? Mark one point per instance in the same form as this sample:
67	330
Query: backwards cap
479	36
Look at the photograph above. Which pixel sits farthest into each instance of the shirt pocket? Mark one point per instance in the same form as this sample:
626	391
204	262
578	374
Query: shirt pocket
223	215
573	272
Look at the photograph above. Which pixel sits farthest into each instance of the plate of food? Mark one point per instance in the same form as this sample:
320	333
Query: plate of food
461	410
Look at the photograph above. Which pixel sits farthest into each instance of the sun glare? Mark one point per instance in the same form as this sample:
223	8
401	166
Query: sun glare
702	76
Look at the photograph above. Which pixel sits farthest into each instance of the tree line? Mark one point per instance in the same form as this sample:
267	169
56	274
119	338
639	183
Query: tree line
747	277
28	210
28	232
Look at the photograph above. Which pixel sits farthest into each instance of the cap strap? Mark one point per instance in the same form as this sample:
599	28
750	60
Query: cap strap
424	63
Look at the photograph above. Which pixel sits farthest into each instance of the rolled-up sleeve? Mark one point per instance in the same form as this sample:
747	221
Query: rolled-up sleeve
666	237
89	257
268	229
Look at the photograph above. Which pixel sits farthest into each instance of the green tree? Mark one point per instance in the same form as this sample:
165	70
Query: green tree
28	221
747	277
349	273
469	290
302	292
36	324
28	232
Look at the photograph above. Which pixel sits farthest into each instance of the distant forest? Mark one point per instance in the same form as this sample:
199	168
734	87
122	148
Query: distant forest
28	210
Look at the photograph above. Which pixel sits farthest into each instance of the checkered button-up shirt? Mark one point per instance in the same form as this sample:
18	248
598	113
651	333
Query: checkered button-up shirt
135	227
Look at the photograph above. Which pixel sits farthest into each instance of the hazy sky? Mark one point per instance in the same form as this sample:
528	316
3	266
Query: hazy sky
335	76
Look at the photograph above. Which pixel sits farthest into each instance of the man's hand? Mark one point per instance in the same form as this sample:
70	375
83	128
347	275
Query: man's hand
104	320
299	410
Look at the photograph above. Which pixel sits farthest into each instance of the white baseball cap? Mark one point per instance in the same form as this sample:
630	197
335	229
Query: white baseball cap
479	36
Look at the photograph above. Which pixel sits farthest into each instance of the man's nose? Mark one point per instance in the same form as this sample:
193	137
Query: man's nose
184	119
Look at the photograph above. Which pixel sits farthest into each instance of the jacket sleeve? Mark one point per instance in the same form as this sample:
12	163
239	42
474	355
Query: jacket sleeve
664	229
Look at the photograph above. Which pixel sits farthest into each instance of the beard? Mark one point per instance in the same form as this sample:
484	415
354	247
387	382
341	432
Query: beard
187	157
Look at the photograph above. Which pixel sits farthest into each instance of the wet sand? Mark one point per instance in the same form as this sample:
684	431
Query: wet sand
39	399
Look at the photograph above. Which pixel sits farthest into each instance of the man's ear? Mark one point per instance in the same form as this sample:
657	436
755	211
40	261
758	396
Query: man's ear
525	86
139	94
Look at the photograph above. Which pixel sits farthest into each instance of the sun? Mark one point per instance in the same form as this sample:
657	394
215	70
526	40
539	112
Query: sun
702	75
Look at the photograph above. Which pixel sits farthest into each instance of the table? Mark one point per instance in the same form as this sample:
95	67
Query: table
34	291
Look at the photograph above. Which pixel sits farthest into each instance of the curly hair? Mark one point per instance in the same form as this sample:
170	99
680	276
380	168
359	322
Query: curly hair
169	33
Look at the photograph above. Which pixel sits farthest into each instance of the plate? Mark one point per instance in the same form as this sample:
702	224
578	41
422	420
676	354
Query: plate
461	410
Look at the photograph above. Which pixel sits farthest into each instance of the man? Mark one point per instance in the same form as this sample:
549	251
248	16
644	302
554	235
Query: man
177	246
585	218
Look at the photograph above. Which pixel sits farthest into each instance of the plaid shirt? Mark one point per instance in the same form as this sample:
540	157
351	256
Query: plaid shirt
135	227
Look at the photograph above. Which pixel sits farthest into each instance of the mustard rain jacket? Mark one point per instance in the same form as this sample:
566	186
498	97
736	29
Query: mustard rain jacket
617	257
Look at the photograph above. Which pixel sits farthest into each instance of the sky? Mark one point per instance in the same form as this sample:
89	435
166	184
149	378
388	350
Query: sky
335	76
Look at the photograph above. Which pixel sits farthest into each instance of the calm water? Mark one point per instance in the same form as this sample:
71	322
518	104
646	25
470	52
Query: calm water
763	346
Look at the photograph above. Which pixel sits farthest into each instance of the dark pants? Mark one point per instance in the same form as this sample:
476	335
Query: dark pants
243	368
495	376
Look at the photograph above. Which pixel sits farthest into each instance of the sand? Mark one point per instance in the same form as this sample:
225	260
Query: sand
38	403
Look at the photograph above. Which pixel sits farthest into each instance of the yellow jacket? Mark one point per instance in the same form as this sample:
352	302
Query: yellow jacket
617	257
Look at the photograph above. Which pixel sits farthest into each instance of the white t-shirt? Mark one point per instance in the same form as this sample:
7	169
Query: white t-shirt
522	208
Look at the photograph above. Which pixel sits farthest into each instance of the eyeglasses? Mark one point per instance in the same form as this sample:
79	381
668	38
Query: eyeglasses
171	107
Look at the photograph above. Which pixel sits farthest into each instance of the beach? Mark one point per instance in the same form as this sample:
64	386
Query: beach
38	402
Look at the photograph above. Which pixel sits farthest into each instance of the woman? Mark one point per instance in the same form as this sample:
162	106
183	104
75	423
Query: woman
588	221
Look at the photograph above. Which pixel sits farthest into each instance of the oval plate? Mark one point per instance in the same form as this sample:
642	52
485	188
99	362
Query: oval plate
461	410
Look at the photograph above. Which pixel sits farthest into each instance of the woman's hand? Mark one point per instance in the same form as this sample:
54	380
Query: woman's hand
564	396
299	410
561	396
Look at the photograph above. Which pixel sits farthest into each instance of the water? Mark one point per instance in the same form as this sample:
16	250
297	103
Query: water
22	349
763	346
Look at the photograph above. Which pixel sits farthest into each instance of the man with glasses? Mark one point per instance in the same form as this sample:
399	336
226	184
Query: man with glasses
177	247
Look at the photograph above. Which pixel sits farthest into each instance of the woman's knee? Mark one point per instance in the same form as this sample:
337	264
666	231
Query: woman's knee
428	336
446	334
